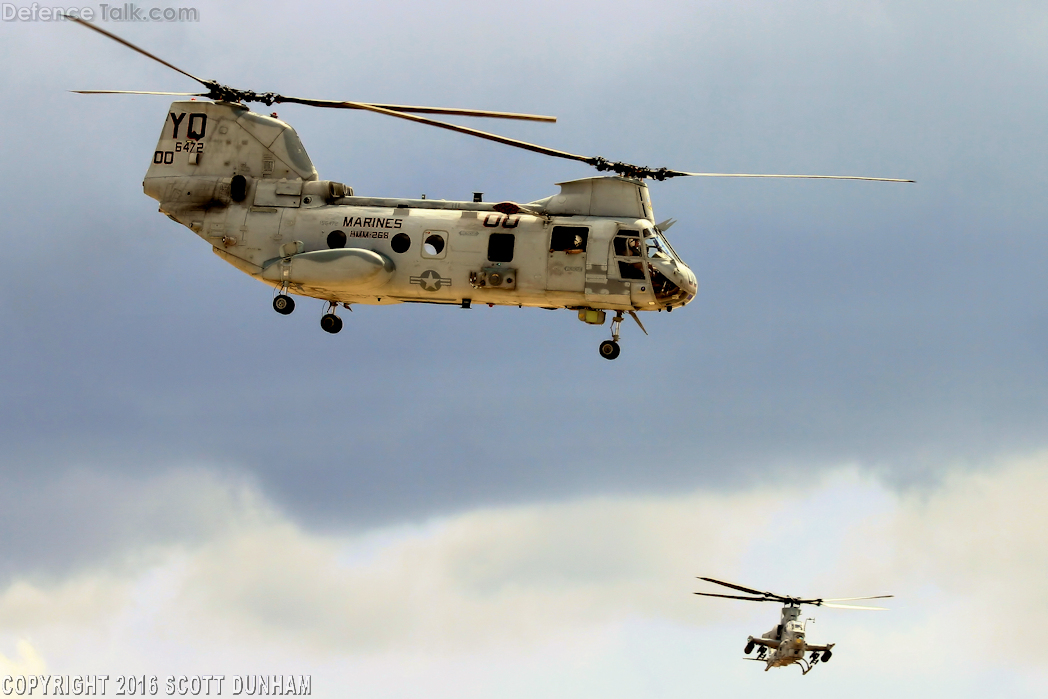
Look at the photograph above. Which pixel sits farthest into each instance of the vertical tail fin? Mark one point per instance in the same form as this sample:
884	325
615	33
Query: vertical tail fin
211	142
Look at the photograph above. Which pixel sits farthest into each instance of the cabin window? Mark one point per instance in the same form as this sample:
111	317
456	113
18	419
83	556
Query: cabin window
568	239
400	243
500	247
336	239
434	243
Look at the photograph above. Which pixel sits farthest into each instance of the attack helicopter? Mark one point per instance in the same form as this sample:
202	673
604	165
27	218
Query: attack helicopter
243	182
787	641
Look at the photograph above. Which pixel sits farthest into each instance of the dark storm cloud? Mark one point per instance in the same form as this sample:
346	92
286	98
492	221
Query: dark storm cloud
896	326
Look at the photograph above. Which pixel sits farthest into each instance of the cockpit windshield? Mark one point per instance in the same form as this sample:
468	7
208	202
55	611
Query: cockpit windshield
657	245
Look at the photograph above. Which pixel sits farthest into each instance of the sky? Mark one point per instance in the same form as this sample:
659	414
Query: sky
441	502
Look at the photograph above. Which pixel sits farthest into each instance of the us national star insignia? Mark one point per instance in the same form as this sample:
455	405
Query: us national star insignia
430	280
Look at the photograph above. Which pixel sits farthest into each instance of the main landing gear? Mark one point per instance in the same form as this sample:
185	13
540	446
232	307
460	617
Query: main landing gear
329	322
283	304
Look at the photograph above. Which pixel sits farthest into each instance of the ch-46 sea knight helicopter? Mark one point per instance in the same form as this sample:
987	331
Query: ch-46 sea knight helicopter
243	182
787	641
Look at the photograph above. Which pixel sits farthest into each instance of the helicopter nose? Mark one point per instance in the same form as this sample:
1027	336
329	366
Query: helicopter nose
688	281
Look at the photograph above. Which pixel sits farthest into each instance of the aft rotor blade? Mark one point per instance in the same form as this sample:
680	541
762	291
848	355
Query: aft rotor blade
677	173
453	111
740	587
450	111
270	97
750	599
535	148
131	46
854	606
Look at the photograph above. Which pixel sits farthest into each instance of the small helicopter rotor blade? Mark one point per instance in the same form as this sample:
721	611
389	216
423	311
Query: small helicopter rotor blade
743	589
853	606
677	173
131	46
749	599
138	92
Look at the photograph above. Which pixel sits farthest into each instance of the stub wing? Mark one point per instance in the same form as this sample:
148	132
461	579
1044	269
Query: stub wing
767	642
828	646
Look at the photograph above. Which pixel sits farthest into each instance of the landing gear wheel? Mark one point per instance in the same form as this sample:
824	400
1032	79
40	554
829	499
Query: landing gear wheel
283	304
609	349
331	323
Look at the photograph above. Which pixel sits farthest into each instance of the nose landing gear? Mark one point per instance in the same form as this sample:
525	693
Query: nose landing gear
609	349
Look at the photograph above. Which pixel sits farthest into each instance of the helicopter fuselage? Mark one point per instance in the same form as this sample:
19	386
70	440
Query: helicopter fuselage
242	182
785	644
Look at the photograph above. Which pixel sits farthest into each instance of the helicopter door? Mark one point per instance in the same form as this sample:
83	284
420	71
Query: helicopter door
566	265
602	282
628	265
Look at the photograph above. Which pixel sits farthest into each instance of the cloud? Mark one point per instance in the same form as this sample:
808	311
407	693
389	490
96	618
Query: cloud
520	578
26	662
87	516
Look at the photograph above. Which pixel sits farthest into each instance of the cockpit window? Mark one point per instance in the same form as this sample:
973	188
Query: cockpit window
656	247
627	247
657	243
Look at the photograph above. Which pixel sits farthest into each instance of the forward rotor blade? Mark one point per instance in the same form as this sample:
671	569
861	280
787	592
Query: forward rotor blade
677	173
855	599
138	92
131	46
740	587
750	599
854	606
535	148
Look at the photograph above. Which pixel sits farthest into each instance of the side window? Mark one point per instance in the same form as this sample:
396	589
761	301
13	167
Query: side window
434	244
400	243
568	239
631	270
500	247
628	244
